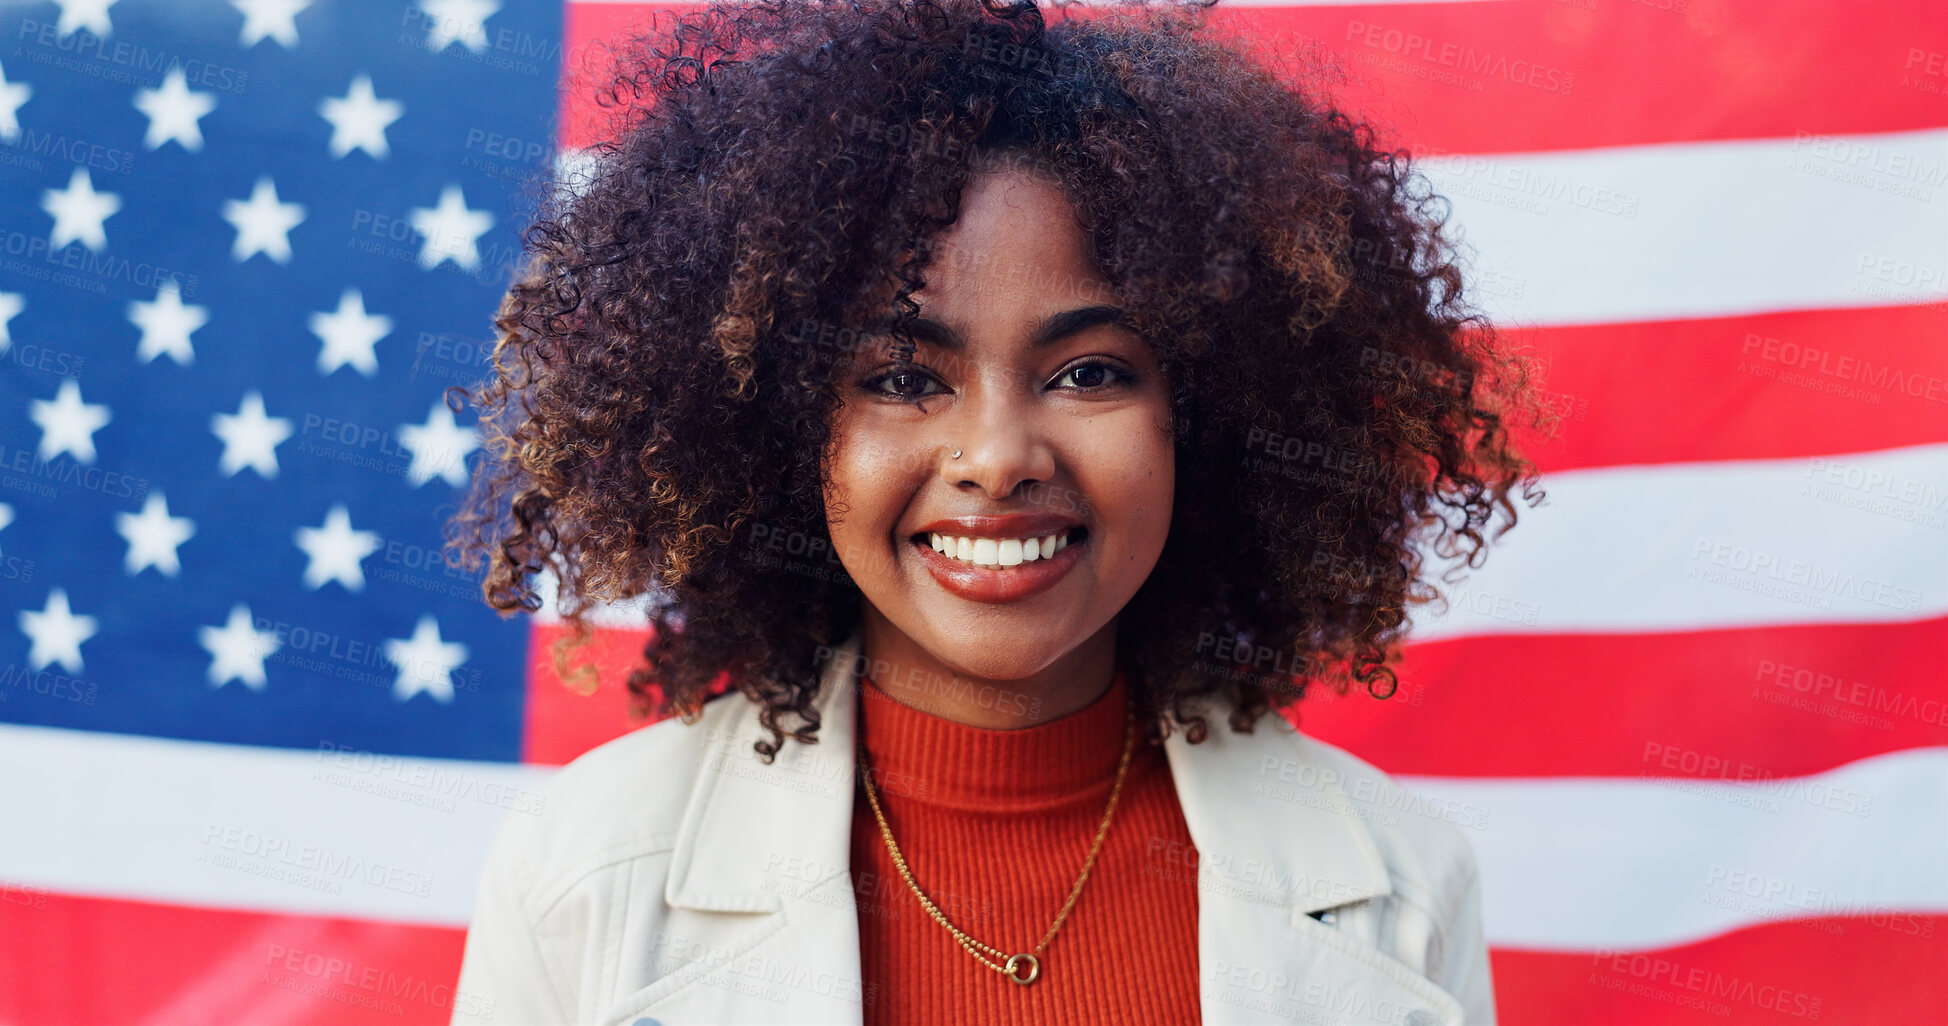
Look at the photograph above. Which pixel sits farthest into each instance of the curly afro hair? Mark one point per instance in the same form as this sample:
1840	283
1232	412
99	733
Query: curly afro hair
664	377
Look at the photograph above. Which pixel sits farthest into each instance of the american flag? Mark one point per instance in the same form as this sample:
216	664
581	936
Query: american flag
254	737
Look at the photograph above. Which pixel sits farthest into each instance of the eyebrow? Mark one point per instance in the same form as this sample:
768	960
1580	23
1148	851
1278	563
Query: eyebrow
1056	328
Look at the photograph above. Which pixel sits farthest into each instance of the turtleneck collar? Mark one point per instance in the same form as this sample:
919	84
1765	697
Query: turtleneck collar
919	756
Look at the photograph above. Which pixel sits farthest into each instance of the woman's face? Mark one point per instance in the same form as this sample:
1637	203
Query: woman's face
1061	419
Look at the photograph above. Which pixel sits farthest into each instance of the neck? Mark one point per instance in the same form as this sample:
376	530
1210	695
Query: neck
913	676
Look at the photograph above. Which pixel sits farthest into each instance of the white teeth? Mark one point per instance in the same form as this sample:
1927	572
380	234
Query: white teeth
998	551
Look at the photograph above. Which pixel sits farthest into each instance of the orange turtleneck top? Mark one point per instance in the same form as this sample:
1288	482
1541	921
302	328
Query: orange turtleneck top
995	826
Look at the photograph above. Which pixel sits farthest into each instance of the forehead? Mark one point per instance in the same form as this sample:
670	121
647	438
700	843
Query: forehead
1014	251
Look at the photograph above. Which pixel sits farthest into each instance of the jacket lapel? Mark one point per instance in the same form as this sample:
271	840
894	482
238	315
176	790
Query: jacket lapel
763	925
1277	842
762	916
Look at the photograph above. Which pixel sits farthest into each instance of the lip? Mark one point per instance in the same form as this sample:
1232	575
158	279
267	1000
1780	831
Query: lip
1005	525
1000	584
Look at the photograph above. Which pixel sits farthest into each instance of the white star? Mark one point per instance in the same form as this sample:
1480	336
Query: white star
275	19
451	231
68	424
263	224
11	304
250	439
458	21
440	448
78	212
349	335
12	95
335	550
84	14
167	324
56	633
238	650
173	110
359	119
425	662
6	515
153	536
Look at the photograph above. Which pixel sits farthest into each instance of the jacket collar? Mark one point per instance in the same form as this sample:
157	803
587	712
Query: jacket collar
1269	819
1266	815
755	832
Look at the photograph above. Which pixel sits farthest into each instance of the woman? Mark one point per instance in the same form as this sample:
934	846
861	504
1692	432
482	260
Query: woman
986	402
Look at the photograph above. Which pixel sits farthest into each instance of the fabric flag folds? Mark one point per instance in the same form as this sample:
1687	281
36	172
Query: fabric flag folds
254	736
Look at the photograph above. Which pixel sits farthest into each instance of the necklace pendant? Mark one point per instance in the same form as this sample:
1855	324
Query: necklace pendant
1014	964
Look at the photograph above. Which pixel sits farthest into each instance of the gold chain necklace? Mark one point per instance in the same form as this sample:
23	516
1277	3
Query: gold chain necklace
1013	964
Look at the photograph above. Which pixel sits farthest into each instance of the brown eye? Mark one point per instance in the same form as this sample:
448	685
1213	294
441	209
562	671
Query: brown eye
1089	377
905	384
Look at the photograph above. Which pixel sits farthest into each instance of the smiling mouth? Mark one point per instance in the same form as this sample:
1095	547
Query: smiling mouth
998	570
1000	553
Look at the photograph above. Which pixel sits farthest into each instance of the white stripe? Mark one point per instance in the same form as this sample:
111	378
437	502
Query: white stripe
1687	230
1708	229
194	823
574	170
1571	864
1854	538
1638	864
632	614
1851	538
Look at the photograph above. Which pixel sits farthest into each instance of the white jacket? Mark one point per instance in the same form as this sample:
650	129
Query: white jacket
670	878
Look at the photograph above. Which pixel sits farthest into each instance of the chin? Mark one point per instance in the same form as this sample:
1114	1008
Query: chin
984	657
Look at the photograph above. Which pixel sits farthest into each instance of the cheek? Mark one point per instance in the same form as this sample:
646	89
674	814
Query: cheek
1156	481
1132	481
864	481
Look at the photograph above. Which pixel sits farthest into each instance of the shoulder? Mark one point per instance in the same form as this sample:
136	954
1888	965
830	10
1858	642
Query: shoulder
1289	797
555	895
619	801
1387	872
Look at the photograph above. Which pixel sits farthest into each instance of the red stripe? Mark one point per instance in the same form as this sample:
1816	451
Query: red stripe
1567	74
67	959
587	32
1751	703
1769	386
1879	967
562	722
1770	702
1570	74
1762	702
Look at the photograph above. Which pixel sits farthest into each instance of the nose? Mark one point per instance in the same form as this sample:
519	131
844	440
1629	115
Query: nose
1002	441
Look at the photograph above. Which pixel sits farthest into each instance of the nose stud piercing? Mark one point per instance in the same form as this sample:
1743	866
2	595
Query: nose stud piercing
957	454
